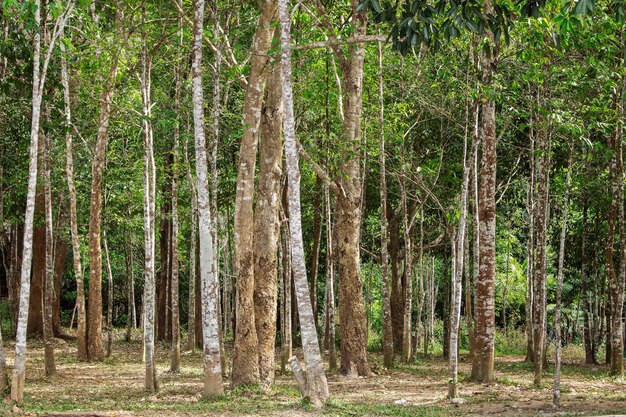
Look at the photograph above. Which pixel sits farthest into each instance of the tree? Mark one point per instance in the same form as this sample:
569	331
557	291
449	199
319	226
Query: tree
315	385
208	277
245	355
39	80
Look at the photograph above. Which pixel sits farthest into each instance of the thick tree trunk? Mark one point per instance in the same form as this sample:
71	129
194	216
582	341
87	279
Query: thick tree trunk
209	280
316	384
556	392
245	355
353	334
267	228
94	314
482	364
384	237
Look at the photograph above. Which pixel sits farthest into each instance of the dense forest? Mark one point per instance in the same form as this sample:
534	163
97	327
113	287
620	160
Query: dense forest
364	207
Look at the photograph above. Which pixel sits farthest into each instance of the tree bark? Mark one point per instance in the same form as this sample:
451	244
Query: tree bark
209	280
245	355
48	296
482	364
540	268
81	334
109	296
39	78
149	295
408	269
384	238
267	228
556	392
317	386
94	314
191	320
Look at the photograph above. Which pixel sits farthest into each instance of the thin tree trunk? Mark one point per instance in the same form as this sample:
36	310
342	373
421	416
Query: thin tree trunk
317	387
384	237
81	331
530	254
175	351
330	286
458	262
556	393
245	355
539	315
208	277
109	297
151	382
39	78
191	320
408	269
130	288
286	291
267	228
317	239
483	361
48	333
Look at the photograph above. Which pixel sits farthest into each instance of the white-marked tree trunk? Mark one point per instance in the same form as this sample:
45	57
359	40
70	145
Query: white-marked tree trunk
316	385
39	79
208	278
556	392
149	292
457	273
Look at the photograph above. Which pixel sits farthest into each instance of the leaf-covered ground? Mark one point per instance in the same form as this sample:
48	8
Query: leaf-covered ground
116	386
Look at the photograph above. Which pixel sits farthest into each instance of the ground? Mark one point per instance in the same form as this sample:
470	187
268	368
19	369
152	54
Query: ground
419	389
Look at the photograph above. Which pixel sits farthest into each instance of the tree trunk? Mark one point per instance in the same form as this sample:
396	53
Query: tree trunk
81	333
163	299
556	392
94	314
330	286
191	320
286	294
149	227
39	78
530	253
482	364
540	268
48	333
245	355
109	297
131	321
457	273
408	270
317	386
353	334
317	239
397	289
209	280
384	238
267	228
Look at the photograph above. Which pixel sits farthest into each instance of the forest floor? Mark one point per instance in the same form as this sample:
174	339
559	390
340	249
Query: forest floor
115	386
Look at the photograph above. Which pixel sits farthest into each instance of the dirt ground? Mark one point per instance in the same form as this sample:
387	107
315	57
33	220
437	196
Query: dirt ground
115	386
